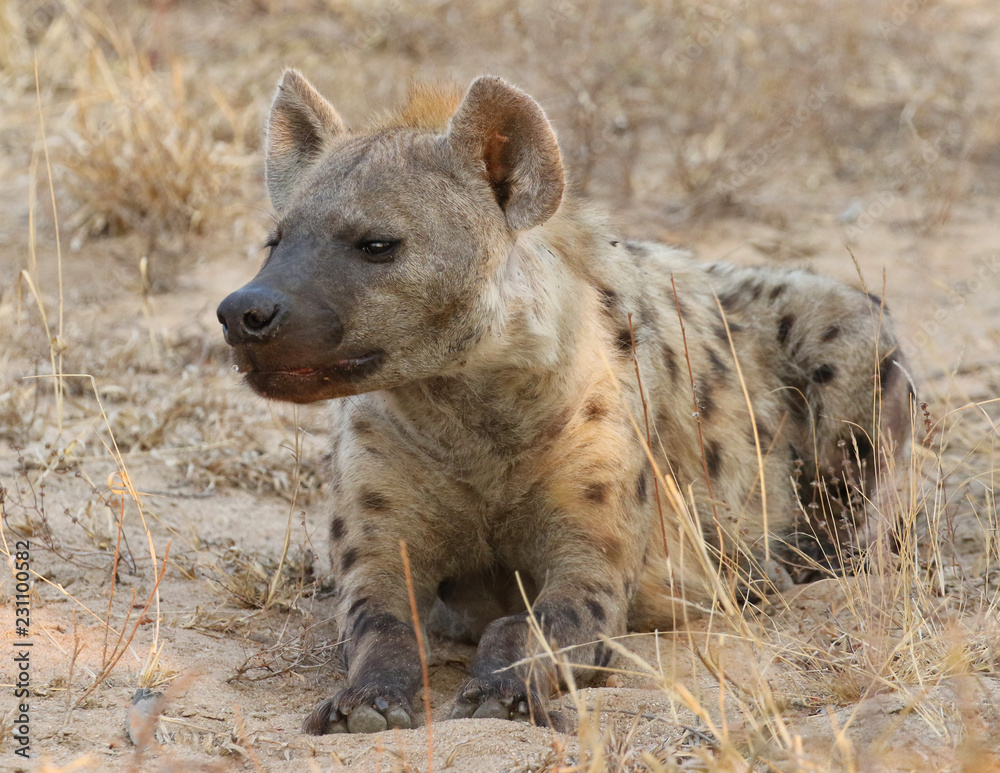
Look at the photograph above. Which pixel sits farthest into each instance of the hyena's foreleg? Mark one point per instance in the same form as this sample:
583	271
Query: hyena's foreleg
380	654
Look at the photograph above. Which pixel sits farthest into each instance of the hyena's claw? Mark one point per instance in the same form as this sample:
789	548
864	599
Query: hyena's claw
337	715
492	709
508	699
463	710
381	715
324	719
366	719
398	717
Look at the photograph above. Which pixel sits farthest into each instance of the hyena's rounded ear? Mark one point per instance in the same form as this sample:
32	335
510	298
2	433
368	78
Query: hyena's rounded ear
502	128
300	129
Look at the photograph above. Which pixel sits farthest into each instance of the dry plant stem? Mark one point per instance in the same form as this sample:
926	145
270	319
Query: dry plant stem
32	199
241	733
276	578
114	574
753	425
536	630
77	649
58	343
649	440
423	655
117	653
697	413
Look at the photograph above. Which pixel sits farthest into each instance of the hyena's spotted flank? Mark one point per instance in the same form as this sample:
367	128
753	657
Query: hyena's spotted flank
487	331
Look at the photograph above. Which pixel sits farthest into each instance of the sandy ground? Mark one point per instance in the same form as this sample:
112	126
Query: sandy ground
217	474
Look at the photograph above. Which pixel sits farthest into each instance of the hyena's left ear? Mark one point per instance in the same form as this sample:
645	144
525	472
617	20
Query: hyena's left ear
301	128
502	128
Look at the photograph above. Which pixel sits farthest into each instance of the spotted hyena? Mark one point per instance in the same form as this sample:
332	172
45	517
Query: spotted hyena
623	428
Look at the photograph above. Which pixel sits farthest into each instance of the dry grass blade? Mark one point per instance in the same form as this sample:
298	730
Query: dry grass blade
423	655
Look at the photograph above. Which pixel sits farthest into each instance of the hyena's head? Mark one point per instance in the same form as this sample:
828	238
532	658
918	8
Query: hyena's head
390	242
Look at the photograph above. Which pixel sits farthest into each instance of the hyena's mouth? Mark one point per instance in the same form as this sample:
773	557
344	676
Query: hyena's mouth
311	383
347	367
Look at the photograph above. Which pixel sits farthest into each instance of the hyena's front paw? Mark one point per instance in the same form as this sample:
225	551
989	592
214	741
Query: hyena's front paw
504	699
363	709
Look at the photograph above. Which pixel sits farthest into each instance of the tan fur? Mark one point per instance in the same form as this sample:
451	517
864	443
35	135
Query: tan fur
501	430
428	106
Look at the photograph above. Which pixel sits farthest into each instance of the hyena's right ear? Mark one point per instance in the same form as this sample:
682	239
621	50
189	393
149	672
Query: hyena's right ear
301	128
506	133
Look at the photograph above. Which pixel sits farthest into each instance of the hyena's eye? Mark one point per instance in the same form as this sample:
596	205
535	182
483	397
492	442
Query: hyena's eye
379	250
272	241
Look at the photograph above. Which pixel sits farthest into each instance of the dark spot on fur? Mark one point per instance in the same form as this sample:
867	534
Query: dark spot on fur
763	433
573	616
360	625
596	610
358	603
785	327
374	501
830	333
372	451
602	655
348	560
718	366
720	333
876	300
670	358
608	298
596	493
337	528
824	374
613	242
640	488
555	428
361	426
753	288
776	291
713	457
382	623
623	342
369	529
730	300
593	410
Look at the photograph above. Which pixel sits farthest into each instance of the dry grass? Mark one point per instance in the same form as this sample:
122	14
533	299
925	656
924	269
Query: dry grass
708	108
685	110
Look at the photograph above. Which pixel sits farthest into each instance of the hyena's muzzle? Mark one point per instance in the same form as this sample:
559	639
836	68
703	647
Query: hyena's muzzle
287	330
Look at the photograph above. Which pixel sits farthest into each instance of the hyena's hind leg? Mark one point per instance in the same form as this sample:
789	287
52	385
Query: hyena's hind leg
850	401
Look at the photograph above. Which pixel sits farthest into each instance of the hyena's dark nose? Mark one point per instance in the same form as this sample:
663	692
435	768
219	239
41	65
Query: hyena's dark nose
251	315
